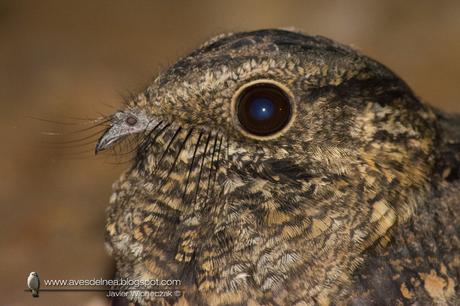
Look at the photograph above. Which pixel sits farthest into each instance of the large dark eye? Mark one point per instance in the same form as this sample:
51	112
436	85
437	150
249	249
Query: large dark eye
263	109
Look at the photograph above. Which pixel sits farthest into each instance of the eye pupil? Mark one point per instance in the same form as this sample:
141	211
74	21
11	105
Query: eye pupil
263	109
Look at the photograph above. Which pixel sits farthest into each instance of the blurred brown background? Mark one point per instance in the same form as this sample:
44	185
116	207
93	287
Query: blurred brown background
62	59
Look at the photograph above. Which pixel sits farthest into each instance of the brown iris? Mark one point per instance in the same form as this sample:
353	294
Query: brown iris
263	109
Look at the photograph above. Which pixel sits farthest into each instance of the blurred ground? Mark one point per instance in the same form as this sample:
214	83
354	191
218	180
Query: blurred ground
72	58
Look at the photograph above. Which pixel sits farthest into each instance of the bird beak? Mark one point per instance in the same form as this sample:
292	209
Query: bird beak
118	130
106	140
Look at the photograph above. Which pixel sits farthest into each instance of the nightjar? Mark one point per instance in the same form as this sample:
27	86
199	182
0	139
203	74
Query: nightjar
276	168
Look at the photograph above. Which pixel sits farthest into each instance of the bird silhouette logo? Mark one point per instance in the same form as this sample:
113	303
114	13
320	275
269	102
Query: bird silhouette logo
33	282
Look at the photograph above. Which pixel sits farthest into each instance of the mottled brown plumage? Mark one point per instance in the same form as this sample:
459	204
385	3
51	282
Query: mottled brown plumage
355	202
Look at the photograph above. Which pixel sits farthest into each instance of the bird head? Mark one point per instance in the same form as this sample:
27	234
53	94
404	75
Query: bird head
271	142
